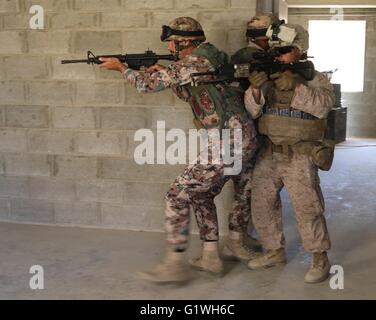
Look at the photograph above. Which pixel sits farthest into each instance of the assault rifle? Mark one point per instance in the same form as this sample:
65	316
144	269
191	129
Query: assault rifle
134	61
262	61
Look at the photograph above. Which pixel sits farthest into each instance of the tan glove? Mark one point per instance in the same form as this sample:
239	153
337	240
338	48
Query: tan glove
285	81
257	79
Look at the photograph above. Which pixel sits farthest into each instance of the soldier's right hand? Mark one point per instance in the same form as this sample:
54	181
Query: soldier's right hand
257	79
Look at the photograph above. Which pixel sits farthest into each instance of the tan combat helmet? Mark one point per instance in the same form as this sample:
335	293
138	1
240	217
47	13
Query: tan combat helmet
259	24
183	28
286	35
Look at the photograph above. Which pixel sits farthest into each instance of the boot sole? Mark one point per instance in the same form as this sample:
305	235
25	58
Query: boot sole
211	273
268	265
146	277
322	279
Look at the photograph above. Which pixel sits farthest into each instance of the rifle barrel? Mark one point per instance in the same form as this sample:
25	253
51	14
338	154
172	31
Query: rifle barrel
74	61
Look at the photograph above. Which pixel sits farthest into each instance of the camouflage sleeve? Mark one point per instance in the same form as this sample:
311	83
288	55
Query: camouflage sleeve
316	98
254	108
178	73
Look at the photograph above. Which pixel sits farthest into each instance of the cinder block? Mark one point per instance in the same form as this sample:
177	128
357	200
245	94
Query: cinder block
250	4
22	67
100	143
174	118
4	209
164	98
74	118
14	42
100	42
30	210
160	18
201	4
151	39
120	168
51	189
17	22
14	187
99	93
26	117
74	20
50	92
23	164
236	40
9	6
147	194
148	4
46	141
100	190
75	167
72	71
12	140
49	5
51	42
97	5
218	38
224	19
12	92
80	213
131	217
116	20
124	118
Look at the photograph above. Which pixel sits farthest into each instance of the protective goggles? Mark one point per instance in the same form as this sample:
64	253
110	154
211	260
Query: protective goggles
168	32
256	33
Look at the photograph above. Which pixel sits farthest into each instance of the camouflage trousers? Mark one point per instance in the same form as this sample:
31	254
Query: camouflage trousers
197	187
300	177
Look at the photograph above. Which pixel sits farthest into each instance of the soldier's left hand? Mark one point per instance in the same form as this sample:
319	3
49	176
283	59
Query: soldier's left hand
112	64
155	68
285	81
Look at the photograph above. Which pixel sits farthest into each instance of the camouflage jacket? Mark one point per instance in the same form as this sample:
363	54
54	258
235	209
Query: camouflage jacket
315	97
208	109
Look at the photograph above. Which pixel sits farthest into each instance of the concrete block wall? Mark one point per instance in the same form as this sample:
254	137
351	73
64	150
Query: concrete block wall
66	131
361	106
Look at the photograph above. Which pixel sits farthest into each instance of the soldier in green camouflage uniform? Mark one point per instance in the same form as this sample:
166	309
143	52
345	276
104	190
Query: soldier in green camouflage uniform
215	106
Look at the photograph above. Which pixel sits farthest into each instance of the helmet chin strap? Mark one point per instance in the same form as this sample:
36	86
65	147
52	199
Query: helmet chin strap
179	47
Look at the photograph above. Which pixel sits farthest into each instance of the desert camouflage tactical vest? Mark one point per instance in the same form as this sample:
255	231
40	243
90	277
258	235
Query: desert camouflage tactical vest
218	102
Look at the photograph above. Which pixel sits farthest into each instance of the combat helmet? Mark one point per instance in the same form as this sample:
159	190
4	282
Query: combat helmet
259	24
183	28
288	35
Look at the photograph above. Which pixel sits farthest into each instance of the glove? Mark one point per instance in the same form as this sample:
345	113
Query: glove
284	81
257	79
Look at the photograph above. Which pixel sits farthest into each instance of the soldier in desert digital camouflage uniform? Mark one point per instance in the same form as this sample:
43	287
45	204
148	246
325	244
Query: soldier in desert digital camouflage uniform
291	113
215	106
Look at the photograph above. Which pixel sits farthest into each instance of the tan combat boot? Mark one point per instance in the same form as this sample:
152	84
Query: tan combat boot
235	247
173	268
268	259
319	270
209	260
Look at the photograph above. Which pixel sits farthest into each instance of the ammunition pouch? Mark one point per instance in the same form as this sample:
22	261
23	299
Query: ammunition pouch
287	135
322	155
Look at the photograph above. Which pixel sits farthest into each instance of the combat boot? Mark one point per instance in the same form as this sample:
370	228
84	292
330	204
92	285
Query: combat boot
209	260
319	270
268	259
173	268
235	247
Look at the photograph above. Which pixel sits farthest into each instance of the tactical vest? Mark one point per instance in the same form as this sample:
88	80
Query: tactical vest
287	128
216	101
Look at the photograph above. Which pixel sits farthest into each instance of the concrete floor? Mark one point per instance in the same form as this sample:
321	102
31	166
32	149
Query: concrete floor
101	264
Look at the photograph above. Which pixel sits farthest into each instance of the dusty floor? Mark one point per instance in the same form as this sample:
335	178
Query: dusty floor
101	264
